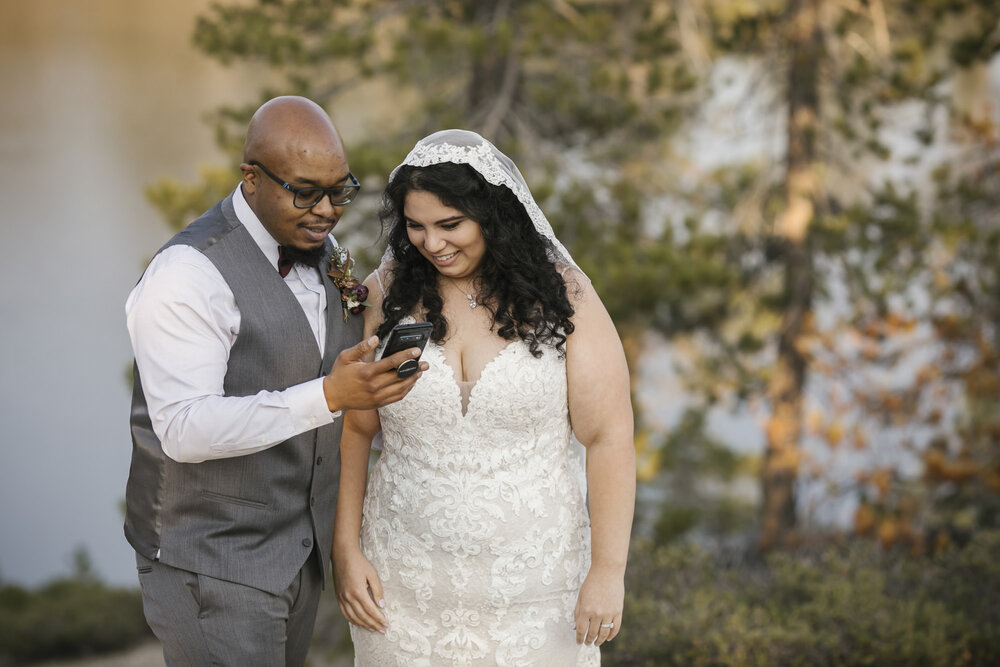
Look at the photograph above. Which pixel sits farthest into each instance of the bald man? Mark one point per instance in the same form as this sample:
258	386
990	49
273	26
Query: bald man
244	363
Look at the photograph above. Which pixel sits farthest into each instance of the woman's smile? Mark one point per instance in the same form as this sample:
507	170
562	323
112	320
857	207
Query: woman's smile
445	236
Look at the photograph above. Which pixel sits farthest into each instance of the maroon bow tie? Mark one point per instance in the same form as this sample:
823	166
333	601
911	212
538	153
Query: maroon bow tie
284	263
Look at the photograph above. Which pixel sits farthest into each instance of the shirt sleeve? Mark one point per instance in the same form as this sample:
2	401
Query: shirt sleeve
182	320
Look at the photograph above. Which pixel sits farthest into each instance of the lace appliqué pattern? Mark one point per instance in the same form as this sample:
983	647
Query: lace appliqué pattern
476	523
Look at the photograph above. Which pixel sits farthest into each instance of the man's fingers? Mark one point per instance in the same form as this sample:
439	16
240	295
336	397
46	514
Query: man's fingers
358	352
398	389
393	361
383	380
354	384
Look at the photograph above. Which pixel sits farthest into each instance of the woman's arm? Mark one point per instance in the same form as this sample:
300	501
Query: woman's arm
601	413
359	591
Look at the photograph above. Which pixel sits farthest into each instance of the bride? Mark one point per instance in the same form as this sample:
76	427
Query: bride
477	541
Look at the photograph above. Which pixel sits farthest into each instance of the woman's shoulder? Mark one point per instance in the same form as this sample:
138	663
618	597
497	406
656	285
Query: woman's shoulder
570	271
577	282
377	282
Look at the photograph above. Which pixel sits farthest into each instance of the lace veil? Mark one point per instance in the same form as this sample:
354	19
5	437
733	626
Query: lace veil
467	147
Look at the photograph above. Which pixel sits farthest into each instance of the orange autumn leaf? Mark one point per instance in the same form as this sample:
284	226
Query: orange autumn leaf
859	438
882	479
834	433
888	533
864	519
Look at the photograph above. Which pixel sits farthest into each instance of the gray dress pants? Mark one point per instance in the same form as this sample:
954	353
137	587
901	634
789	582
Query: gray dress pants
203	621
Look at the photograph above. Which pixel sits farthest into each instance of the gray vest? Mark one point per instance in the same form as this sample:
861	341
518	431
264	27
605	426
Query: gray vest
251	519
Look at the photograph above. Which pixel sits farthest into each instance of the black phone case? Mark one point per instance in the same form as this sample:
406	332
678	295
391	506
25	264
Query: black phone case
404	336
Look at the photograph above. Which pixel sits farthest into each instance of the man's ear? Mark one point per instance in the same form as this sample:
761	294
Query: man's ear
250	178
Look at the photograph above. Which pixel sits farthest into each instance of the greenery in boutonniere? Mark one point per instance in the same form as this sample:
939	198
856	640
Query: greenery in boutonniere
353	295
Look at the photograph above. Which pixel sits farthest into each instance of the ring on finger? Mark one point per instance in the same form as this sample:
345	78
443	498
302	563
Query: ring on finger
608	625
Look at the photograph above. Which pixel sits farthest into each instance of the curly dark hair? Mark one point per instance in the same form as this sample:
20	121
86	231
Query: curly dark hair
518	281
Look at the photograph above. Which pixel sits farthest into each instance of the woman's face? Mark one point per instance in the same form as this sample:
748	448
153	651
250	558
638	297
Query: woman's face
449	240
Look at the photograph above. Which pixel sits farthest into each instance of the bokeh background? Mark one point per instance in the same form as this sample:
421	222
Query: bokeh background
790	207
100	99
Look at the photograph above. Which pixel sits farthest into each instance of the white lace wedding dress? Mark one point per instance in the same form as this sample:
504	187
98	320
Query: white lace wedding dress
476	522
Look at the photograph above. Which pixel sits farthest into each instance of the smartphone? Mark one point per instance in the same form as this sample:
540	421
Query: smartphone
405	336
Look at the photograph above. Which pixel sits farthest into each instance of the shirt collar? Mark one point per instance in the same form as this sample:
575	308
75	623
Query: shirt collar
258	232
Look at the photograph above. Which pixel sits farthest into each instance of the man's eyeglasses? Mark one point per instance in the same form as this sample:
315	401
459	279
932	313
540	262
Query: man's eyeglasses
340	195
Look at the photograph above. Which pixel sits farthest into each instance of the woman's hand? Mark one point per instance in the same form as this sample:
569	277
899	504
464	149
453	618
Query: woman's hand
359	591
598	613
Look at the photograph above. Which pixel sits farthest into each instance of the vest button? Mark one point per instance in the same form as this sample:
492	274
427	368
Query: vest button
307	542
319	460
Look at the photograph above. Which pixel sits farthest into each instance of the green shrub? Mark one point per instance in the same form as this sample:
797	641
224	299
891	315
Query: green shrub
68	617
850	604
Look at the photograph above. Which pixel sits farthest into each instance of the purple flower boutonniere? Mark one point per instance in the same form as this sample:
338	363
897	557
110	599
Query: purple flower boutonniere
353	295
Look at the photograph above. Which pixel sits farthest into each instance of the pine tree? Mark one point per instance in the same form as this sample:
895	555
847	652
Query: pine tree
823	222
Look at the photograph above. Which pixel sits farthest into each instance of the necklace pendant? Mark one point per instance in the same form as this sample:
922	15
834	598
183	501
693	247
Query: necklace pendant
472	302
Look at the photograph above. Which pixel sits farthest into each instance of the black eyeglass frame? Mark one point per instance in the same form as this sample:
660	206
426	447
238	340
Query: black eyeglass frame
349	191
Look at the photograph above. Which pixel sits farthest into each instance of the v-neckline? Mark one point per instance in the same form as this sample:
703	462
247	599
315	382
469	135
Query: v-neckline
455	382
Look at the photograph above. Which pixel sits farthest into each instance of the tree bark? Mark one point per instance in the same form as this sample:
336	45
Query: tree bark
784	428
495	75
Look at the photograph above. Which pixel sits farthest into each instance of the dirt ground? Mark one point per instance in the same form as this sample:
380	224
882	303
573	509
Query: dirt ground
150	655
144	655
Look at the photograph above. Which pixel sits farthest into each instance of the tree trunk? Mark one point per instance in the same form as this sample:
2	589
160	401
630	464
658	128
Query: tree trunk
784	427
495	74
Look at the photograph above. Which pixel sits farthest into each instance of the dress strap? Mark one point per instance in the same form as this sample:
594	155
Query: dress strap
378	279
569	267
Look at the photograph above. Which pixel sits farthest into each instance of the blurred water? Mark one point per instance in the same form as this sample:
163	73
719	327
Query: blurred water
100	97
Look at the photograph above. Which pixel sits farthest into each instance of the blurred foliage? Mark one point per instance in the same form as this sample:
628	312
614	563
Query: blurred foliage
594	99
694	481
70	617
845	603
951	340
496	67
793	340
180	203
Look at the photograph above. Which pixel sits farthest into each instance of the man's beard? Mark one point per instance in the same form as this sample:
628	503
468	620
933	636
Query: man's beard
310	257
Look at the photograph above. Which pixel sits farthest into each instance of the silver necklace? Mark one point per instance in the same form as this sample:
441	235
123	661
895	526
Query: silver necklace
468	295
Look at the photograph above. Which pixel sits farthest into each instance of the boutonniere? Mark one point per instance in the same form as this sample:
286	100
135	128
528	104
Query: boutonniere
353	295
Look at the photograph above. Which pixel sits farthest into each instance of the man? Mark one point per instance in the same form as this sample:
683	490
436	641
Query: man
244	363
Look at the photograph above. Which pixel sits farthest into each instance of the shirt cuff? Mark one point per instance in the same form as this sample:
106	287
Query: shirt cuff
307	403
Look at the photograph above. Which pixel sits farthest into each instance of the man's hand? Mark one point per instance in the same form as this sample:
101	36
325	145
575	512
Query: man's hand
355	384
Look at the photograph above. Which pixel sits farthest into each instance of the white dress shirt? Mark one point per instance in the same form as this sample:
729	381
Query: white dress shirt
183	320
